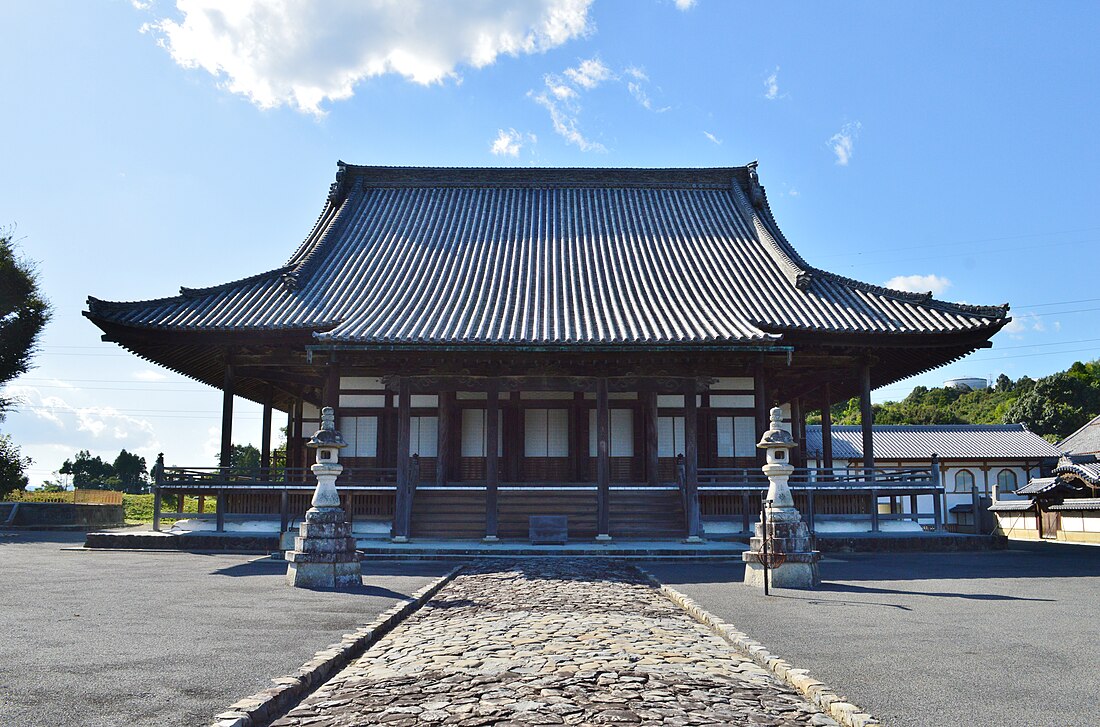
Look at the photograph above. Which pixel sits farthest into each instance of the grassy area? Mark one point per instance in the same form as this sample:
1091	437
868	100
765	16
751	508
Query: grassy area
139	508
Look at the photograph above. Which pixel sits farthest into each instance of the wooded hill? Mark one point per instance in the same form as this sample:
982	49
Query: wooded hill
1054	406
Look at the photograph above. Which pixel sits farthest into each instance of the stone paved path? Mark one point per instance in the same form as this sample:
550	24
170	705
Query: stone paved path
548	642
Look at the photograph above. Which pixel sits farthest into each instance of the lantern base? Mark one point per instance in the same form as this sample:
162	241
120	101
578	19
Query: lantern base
324	554
791	558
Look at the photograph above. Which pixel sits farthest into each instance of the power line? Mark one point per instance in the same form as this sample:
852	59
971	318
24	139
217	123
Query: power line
964	242
1057	343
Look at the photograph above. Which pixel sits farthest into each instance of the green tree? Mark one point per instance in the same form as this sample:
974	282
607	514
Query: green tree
23	314
13	466
88	472
245	457
1059	404
131	472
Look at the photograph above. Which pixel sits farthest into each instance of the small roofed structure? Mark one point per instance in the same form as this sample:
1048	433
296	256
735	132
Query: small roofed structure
597	328
1063	507
977	463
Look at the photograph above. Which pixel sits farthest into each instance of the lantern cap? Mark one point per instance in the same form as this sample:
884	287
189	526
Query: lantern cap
776	437
327	435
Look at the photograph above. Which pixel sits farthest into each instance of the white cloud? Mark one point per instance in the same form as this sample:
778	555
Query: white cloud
685	4
589	74
1022	323
510	142
150	375
562	94
284	52
105	424
792	192
564	118
919	283
771	85
713	138
843	142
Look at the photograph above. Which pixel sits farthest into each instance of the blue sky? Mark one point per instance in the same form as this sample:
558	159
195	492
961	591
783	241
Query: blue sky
948	145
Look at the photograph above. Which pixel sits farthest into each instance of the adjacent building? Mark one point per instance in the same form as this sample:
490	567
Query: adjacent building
976	462
1065	505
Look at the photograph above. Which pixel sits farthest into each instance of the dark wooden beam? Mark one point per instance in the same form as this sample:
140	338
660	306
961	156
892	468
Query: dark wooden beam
403	503
651	453
492	461
691	434
603	461
866	415
265	434
797	424
761	401
443	438
826	426
227	416
330	395
299	434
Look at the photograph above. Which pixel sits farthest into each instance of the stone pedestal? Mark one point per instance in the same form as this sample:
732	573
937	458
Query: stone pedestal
324	553
792	541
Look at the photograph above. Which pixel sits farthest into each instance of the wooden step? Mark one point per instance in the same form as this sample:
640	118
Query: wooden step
461	513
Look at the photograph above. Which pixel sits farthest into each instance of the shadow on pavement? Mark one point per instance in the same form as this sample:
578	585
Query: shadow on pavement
1054	562
845	588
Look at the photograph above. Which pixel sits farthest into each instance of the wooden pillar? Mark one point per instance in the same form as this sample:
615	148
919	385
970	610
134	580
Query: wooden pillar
513	438
691	433
827	427
492	460
760	397
330	394
603	462
797	433
265	437
691	461
299	453
288	460
580	437
443	438
866	416
227	417
219	516
402	515
651	452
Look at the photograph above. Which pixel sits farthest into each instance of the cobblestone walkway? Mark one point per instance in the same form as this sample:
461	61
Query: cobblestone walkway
546	642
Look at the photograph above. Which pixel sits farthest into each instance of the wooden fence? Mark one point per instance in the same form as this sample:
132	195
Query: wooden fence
77	497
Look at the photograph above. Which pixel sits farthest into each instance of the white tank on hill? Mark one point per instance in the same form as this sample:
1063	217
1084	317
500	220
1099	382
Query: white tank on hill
969	383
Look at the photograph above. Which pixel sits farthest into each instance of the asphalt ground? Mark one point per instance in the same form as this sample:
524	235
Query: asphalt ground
972	639
103	639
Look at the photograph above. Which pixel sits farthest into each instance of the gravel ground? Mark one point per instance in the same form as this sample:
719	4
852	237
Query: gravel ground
115	638
966	639
553	642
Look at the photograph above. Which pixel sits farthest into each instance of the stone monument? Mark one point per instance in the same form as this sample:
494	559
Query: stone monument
324	553
792	561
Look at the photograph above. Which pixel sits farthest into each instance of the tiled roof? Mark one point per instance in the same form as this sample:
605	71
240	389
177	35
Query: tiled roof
1011	505
1039	485
949	441
1087	471
551	257
1078	503
1085	440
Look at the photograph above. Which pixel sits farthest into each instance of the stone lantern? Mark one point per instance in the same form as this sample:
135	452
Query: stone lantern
792	560
324	554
